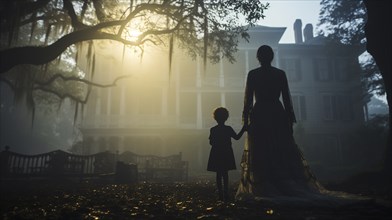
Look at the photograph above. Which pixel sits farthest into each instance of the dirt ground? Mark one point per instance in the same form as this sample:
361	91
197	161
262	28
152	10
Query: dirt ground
190	200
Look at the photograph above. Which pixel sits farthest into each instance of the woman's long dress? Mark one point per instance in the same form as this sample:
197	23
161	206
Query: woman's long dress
272	163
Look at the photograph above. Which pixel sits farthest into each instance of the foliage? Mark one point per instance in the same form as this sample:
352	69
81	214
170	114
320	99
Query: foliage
367	143
50	28
344	21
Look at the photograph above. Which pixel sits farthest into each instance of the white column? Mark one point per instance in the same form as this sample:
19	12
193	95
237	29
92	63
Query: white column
198	104
223	99
164	100
199	114
121	116
98	119
97	109
198	73
177	91
277	58
108	109
122	100
221	72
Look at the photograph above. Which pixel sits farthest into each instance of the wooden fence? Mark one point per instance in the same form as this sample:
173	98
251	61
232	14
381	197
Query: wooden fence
62	164
56	163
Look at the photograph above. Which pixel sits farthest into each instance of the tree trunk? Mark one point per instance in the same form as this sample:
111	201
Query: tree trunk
379	45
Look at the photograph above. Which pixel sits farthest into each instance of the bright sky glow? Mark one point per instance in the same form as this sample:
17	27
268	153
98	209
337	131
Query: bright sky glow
133	34
283	13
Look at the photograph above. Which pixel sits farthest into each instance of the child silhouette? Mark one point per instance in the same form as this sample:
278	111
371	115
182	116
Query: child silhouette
221	158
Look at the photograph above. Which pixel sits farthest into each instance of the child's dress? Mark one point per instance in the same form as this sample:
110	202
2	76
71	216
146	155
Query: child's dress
221	154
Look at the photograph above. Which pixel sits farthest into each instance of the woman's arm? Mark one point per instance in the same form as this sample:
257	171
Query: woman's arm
211	137
248	100
288	105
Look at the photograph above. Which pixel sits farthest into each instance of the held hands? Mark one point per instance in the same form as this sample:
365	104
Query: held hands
245	127
291	124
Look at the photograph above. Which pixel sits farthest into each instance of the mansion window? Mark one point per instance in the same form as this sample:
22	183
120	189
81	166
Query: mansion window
337	107
234	73
188	108
92	103
150	102
328	70
187	72
210	101
115	100
292	67
253	63
322	70
341	69
104	96
234	103
299	106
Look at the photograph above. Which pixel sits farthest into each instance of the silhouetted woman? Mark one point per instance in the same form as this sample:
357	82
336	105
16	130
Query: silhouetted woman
272	164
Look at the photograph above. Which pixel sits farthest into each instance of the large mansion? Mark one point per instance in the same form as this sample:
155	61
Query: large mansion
154	112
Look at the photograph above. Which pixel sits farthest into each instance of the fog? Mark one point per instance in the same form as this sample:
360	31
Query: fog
160	112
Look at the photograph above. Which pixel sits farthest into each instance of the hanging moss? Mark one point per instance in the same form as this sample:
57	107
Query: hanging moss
205	43
33	25
89	51
48	30
123	55
76	112
171	48
93	67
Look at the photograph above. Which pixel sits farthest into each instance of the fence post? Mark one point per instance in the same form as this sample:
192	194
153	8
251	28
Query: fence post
4	162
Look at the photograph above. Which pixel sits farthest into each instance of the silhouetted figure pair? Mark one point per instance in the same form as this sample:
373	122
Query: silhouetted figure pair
221	158
273	166
272	163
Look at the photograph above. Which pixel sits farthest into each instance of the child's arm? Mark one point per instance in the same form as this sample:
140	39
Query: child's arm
211	138
239	135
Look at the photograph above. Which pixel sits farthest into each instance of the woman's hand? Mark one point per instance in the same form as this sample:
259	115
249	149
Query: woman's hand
291	124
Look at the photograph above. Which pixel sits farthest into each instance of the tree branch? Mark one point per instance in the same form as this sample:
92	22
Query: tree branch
85	81
43	86
72	14
65	95
28	55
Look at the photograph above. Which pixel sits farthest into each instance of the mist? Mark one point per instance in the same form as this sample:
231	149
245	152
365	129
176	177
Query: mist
161	110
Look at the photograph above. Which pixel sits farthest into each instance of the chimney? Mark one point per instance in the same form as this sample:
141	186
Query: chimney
298	31
308	32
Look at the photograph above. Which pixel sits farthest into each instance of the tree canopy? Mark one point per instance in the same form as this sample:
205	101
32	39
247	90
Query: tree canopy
364	22
47	33
344	22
